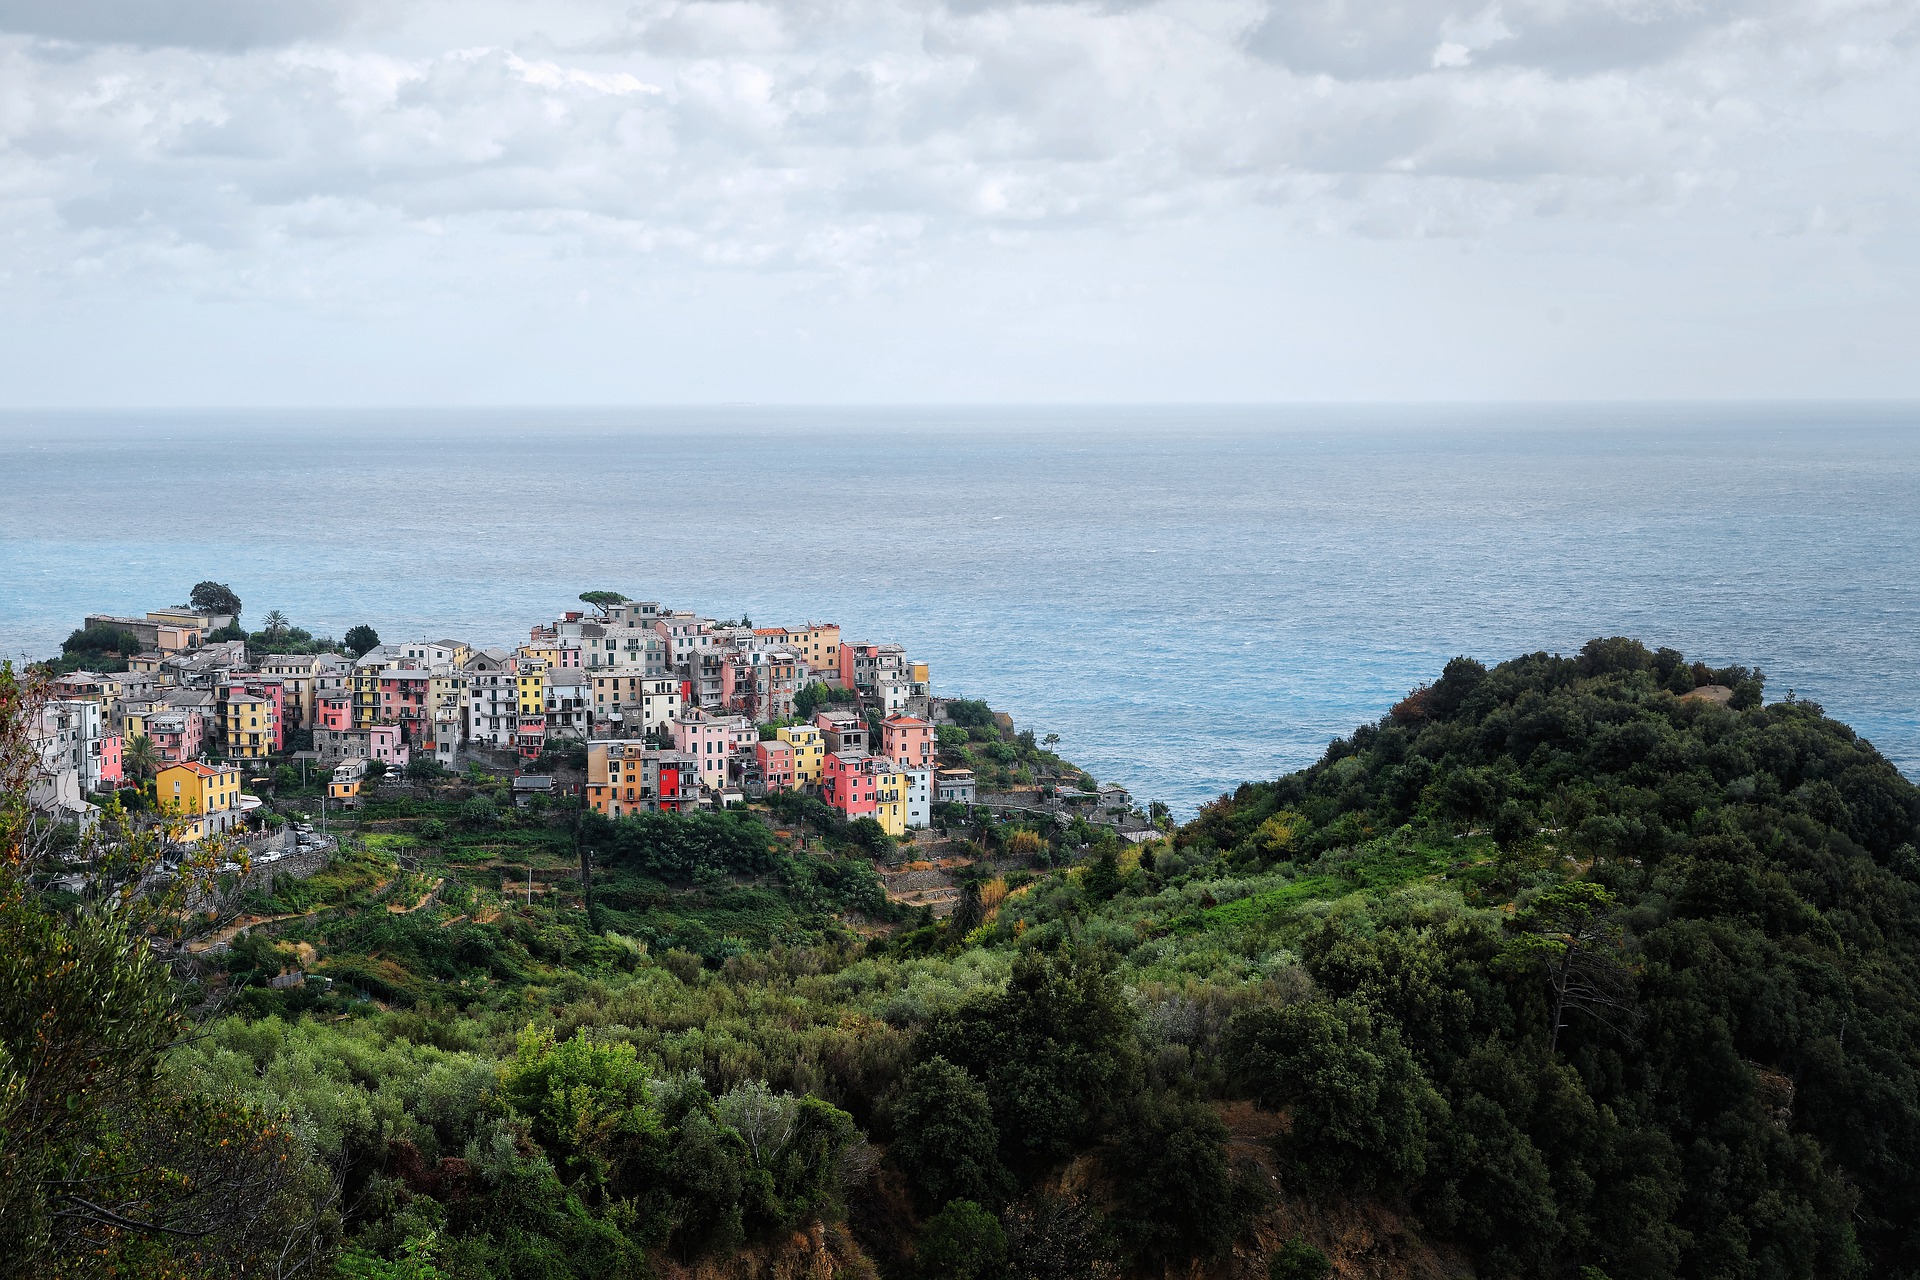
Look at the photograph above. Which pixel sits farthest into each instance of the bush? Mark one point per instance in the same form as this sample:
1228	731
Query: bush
1298	1260
962	1242
1169	1163
945	1137
1361	1106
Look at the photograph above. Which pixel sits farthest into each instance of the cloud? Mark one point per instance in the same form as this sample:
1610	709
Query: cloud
257	143
1362	39
197	24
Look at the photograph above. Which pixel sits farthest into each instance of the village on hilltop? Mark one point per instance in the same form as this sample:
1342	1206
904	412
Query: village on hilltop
655	709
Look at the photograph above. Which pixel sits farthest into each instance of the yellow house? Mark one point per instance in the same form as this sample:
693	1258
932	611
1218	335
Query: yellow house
344	786
531	686
249	727
133	719
889	795
364	684
809	752
545	651
819	644
207	796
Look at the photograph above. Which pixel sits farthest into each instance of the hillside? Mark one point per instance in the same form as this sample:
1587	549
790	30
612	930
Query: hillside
1596	966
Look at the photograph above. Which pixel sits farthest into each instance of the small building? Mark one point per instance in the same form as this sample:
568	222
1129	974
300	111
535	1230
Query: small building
918	795
376	742
348	775
953	786
529	785
843	731
774	763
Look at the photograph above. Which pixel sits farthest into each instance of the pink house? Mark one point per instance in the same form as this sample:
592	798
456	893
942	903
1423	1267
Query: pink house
713	740
110	770
847	786
177	735
907	739
403	698
383	743
775	760
335	711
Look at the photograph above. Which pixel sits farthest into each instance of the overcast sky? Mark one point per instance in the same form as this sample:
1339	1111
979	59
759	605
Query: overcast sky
391	201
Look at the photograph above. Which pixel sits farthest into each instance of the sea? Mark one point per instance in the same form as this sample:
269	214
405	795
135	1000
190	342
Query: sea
1188	597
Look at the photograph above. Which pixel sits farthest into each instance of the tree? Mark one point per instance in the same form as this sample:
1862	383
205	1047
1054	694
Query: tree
1169	1163
215	597
1051	741
1572	934
140	759
424	768
376	770
961	1242
102	638
1101	879
602	600
945	1136
1055	1051
278	625
361	640
1360	1104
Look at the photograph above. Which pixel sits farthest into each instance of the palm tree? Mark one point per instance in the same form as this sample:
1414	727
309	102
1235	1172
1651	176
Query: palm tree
277	625
140	760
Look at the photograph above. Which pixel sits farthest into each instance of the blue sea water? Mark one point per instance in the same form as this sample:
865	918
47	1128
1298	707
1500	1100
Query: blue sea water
1189	597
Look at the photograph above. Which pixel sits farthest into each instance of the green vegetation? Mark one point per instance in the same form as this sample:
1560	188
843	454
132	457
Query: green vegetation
1564	971
100	647
214	597
279	635
361	639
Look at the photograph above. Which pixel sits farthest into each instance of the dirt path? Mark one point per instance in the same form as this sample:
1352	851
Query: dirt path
398	909
221	937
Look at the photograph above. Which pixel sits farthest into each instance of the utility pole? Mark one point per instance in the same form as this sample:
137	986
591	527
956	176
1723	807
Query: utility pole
586	869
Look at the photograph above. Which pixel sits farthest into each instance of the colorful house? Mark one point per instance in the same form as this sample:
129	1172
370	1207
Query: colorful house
206	796
621	777
112	773
847	786
908	740
712	740
250	727
774	762
333	711
809	752
178	736
529	679
344	787
405	698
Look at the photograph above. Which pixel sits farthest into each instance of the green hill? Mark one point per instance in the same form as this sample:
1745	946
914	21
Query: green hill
1591	966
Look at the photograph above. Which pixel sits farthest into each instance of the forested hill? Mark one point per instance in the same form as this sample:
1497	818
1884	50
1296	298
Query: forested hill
1720	897
1586	968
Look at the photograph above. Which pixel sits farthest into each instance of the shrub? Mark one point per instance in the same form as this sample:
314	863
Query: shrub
1361	1106
1169	1163
946	1139
1298	1260
962	1242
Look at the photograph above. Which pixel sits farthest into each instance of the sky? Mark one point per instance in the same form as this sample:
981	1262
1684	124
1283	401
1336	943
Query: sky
337	202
